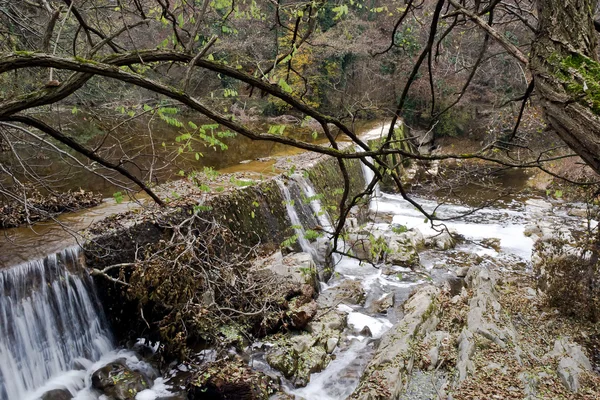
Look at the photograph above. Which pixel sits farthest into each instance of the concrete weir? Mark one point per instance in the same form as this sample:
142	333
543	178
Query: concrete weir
256	214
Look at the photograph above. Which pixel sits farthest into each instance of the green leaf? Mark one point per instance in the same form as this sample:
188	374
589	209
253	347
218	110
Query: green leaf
118	196
284	86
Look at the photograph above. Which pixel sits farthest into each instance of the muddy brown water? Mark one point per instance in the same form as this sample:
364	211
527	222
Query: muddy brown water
254	158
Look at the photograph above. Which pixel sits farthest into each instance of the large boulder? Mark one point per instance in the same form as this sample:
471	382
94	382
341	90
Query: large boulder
298	357
119	382
403	248
298	267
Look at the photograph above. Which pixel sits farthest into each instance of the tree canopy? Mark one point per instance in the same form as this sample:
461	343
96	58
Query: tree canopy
421	60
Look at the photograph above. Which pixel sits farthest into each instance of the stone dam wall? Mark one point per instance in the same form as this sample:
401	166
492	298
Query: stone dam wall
255	214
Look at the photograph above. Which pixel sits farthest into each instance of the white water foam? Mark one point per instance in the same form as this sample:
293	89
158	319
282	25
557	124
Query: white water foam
53	333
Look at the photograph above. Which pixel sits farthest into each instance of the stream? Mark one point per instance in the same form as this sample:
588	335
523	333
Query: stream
54	335
502	226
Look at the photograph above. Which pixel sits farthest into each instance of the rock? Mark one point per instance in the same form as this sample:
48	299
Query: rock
309	362
387	371
443	241
381	217
366	332
298	366
283	360
577	212
301	343
382	304
118	381
331	345
349	291
57	394
402	254
461	272
327	323
568	371
564	348
538	204
466	348
352	224
299	267
493	243
436	340
412	237
301	316
530	293
366	246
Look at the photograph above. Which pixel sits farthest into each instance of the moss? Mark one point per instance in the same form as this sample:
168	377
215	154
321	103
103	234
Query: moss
580	76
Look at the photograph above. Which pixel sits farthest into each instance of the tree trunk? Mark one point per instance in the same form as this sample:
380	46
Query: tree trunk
567	74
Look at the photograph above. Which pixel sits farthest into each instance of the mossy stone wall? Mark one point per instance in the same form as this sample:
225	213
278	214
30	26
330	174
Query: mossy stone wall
256	215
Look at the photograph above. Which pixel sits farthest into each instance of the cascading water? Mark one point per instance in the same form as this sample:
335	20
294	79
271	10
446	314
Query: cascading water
294	219
315	203
318	210
53	332
369	176
50	319
342	375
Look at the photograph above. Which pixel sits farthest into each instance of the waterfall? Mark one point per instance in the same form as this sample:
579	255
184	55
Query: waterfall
315	203
322	215
369	176
50	323
295	220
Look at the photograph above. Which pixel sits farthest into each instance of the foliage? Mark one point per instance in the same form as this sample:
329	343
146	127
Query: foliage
569	269
200	276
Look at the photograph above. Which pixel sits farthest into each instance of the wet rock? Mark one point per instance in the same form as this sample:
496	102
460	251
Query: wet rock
118	381
57	394
443	241
412	237
366	246
297	358
311	361
226	380
348	291
382	304
577	212
327	324
403	255
283	360
379	217
366	332
492	243
331	345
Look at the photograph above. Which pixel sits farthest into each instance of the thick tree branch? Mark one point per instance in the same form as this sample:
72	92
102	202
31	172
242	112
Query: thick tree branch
42	126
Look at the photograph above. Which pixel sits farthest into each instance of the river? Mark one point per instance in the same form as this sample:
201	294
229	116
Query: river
55	334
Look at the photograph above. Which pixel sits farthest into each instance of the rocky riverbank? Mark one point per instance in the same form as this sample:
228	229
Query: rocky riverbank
406	309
